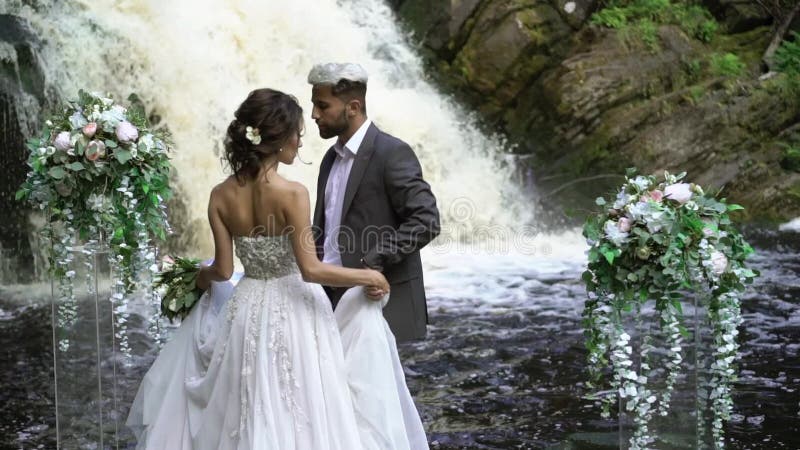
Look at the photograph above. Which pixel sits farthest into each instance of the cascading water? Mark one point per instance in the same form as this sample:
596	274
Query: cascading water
192	62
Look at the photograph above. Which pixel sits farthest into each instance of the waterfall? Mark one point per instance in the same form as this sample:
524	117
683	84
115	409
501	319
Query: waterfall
194	61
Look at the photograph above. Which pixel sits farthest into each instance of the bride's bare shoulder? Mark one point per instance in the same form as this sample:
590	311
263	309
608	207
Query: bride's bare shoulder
284	185
298	188
294	192
227	189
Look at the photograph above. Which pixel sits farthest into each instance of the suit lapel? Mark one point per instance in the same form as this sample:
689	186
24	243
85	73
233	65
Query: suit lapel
359	167
322	181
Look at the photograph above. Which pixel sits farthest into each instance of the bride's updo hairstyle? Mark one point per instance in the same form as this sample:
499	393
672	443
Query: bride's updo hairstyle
274	117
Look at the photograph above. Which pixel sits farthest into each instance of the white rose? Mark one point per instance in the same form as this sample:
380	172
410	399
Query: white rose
63	141
641	182
127	132
719	262
680	192
614	234
624	224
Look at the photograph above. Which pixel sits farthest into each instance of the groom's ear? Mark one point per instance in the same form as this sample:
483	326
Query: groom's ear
353	107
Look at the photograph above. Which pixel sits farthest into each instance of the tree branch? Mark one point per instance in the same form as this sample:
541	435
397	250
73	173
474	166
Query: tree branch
769	55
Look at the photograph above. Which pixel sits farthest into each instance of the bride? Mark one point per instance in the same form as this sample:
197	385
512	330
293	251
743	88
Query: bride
261	365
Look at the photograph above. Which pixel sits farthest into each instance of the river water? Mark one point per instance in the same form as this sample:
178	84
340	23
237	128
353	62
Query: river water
503	365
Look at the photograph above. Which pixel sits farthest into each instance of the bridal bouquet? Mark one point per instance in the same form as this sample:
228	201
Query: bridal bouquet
657	240
176	284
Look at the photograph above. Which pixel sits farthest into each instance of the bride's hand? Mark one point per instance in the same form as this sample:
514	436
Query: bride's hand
379	286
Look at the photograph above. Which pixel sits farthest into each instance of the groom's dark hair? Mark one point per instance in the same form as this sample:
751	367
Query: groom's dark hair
348	90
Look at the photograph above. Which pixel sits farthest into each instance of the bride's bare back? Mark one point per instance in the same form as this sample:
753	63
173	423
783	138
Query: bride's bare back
254	207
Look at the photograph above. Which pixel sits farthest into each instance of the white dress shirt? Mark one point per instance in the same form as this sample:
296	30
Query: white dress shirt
334	192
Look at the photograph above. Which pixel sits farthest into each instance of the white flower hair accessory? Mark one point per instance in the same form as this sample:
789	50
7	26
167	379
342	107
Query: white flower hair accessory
253	135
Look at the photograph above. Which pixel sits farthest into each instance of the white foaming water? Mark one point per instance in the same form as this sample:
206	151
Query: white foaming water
792	225
194	61
491	278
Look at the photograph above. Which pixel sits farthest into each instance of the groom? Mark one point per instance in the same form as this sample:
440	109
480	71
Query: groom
373	208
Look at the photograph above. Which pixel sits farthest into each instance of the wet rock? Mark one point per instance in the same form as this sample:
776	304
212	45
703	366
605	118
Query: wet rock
439	22
739	15
508	46
22	95
576	12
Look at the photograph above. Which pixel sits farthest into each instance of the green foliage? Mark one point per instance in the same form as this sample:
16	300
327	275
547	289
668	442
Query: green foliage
641	18
648	33
791	158
693	68
787	57
178	281
697	93
727	65
696	21
611	17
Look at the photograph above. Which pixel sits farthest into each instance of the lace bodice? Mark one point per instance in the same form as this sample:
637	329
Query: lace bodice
266	257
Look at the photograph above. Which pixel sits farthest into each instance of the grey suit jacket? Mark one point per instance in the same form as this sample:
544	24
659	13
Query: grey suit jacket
389	214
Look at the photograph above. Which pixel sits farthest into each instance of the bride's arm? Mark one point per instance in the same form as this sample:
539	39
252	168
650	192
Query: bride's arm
298	215
222	267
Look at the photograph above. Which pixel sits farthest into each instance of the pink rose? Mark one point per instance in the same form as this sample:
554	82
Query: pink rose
624	224
126	132
680	192
656	195
62	141
95	150
90	129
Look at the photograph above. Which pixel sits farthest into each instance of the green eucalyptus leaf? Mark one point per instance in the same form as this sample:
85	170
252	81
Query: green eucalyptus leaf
609	254
57	172
76	166
122	155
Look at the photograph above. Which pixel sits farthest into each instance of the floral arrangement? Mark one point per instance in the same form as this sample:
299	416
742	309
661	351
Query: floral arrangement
102	177
176	285
654	242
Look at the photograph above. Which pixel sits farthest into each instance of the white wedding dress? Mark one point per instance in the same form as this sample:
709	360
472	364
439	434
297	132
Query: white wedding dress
263	365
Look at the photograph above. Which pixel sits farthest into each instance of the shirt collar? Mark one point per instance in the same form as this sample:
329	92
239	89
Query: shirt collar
354	143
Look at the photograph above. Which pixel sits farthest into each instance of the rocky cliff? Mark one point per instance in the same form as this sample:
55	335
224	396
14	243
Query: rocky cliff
682	89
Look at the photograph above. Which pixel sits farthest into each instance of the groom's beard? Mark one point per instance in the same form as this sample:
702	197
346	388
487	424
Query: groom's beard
335	129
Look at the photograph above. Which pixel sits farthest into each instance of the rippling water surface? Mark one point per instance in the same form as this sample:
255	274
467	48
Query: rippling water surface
502	367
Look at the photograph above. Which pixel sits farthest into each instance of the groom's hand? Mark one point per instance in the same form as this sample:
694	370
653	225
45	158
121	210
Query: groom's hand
374	293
